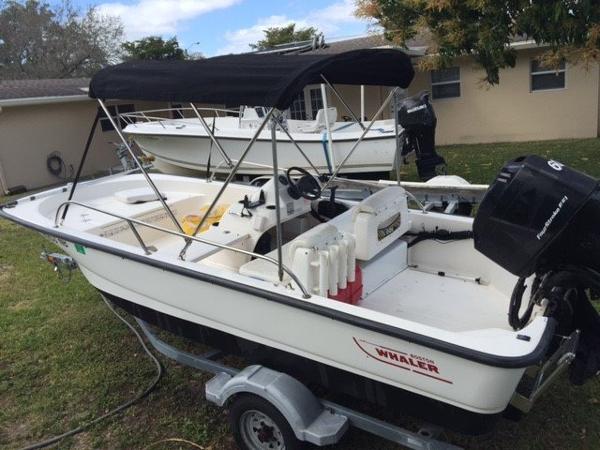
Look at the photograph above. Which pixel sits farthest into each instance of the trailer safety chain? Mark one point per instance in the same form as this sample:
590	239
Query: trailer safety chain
118	409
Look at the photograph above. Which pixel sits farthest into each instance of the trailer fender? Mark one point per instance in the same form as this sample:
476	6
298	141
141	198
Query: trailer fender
309	420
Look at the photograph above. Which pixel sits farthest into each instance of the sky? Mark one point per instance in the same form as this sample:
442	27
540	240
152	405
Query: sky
215	27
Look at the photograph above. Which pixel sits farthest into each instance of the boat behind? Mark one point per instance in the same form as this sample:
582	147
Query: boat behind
183	146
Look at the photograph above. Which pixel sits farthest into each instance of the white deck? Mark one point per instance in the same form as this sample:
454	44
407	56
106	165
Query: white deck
440	301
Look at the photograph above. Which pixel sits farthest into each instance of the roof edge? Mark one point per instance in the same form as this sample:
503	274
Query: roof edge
29	101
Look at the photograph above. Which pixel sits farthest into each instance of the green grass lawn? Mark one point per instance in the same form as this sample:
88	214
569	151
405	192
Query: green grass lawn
64	358
480	163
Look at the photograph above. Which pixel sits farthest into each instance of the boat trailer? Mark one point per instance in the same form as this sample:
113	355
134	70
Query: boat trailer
317	421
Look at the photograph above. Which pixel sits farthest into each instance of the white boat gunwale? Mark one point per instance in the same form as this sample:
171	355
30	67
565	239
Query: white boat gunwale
245	139
488	359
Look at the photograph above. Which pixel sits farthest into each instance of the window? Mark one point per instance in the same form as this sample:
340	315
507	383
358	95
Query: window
307	104
316	102
445	83
544	78
298	108
114	111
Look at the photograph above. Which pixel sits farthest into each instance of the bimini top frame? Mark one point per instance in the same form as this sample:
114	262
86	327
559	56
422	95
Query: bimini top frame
273	81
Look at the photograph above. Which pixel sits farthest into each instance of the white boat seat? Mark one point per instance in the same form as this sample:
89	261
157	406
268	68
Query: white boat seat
319	123
138	195
380	220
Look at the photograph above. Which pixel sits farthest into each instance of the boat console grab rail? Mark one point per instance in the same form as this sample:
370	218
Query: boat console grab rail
187	238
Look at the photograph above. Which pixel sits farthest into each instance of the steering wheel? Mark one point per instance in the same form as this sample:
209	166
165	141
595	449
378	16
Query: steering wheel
307	186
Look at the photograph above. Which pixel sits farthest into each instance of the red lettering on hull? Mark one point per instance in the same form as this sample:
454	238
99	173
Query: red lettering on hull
401	360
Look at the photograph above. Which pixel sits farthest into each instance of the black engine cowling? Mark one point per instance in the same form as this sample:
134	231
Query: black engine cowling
538	215
542	218
417	117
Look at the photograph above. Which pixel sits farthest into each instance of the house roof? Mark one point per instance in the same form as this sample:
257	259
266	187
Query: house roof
415	47
22	92
371	41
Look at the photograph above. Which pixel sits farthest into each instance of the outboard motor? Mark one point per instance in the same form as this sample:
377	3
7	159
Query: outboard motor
417	117
542	218
538	215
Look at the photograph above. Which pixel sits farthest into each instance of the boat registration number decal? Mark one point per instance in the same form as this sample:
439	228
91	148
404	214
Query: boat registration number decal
80	249
407	361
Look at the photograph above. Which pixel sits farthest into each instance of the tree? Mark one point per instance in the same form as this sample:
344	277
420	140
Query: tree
284	35
484	29
154	47
37	41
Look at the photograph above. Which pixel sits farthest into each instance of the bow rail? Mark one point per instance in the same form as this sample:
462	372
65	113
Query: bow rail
187	238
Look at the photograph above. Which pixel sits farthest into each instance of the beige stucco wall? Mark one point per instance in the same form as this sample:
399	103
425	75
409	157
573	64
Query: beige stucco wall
28	134
510	111
505	112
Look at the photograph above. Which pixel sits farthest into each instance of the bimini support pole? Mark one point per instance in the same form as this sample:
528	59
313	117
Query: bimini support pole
293	141
88	144
362	136
161	199
227	181
362	102
212	137
277	199
327	126
398	156
343	102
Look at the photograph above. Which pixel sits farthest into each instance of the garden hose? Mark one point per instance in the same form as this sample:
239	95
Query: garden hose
118	409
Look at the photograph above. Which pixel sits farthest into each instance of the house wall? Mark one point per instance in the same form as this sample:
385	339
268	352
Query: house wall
28	134
510	111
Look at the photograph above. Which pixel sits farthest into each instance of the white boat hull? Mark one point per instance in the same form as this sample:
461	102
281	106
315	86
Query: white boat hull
404	333
469	385
179	153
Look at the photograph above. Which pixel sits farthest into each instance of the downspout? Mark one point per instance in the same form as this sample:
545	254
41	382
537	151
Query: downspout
3	182
598	104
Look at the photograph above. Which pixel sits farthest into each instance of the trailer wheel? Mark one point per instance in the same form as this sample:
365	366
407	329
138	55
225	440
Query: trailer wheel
256	425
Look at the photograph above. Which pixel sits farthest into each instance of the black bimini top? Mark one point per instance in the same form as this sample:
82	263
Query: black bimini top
249	79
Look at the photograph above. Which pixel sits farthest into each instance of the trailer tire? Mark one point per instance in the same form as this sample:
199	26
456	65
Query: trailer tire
256	424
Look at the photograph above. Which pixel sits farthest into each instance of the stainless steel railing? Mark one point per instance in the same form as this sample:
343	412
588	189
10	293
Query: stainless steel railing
150	115
187	238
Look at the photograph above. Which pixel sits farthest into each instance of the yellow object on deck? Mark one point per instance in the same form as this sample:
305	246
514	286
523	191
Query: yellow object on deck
191	221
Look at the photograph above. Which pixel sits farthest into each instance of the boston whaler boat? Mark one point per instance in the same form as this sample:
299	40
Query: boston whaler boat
183	145
396	306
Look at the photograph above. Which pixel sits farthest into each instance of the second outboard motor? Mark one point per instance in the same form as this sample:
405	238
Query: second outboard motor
417	117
